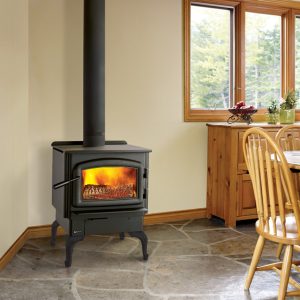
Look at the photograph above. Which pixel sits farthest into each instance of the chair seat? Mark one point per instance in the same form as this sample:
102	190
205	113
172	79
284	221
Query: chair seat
291	237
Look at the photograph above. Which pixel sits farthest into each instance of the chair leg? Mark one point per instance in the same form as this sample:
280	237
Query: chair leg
279	250
255	259
285	272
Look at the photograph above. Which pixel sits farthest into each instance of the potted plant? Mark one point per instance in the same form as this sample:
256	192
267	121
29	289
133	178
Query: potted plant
287	108
273	112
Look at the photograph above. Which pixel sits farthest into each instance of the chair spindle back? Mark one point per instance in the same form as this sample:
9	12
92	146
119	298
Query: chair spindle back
271	179
288	138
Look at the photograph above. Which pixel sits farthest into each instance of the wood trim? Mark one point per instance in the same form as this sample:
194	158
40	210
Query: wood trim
180	215
265	9
230	209
35	232
275	3
216	2
14	249
192	115
187	16
290	59
286	9
240	54
250	217
45	230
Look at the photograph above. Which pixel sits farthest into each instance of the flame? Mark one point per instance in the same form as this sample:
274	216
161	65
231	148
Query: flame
112	176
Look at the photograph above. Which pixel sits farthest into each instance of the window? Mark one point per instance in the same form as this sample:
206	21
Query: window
211	57
239	51
263	59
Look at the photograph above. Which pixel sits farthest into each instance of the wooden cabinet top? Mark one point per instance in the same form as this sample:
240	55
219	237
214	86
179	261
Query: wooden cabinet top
245	125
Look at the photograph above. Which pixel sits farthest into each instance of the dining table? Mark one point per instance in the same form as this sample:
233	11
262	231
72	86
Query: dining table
293	160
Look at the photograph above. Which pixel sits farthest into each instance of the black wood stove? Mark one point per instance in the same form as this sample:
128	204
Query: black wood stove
99	186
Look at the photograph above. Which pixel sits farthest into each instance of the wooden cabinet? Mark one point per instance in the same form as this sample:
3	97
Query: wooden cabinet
229	189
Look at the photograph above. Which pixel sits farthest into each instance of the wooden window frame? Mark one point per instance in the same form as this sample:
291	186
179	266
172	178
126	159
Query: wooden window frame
288	10
195	114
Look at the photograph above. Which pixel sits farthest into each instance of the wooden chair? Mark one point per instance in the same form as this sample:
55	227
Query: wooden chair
288	139
271	180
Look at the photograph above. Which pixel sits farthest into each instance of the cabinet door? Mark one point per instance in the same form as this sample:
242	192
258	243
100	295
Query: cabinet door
246	205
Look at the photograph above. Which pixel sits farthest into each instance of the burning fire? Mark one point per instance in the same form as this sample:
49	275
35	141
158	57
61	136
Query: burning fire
109	183
109	176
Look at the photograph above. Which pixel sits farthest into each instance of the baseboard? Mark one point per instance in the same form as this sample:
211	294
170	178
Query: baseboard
174	216
45	230
14	249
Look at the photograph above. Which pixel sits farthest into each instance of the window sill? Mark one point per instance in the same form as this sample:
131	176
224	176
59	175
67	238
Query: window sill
223	115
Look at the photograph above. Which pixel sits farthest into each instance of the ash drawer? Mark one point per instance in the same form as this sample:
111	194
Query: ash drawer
115	222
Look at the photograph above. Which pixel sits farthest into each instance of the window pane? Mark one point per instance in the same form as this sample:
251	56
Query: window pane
297	59
210	57
263	69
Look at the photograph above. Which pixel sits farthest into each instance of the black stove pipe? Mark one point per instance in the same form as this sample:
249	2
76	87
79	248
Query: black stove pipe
94	73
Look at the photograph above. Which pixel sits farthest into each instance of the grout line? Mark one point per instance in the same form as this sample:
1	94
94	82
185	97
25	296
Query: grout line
25	260
133	249
35	279
209	229
107	289
187	223
174	227
93	269
226	240
107	242
245	234
74	286
145	281
232	260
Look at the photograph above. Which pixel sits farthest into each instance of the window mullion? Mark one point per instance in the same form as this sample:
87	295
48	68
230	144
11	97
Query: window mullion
240	53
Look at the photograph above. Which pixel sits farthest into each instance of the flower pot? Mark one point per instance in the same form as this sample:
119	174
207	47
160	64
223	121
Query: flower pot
287	116
272	118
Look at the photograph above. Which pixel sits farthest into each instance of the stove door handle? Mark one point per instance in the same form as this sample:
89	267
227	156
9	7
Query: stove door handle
63	183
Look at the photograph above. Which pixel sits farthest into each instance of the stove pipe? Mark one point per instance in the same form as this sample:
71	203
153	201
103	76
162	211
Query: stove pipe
94	74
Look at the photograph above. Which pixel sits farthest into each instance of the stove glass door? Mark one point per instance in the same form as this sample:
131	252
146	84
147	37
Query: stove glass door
109	183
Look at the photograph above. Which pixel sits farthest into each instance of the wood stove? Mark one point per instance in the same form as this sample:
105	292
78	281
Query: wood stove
99	186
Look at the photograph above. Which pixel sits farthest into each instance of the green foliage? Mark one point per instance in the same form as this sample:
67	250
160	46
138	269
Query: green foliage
273	108
210	60
262	59
290	100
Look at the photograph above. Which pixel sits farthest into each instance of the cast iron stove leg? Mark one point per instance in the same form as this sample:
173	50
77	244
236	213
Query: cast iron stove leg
70	242
53	233
144	240
122	235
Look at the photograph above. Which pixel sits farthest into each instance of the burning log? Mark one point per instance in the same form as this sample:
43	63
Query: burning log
107	192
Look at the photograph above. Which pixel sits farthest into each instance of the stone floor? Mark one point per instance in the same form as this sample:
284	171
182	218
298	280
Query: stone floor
198	259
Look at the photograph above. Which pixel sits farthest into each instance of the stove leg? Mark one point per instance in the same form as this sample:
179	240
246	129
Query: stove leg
144	241
53	233
70	242
122	235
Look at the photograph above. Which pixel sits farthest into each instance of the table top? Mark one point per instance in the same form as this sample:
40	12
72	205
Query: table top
293	159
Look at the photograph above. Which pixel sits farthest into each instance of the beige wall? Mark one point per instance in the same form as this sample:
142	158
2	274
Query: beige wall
145	99
55	88
144	96
13	120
